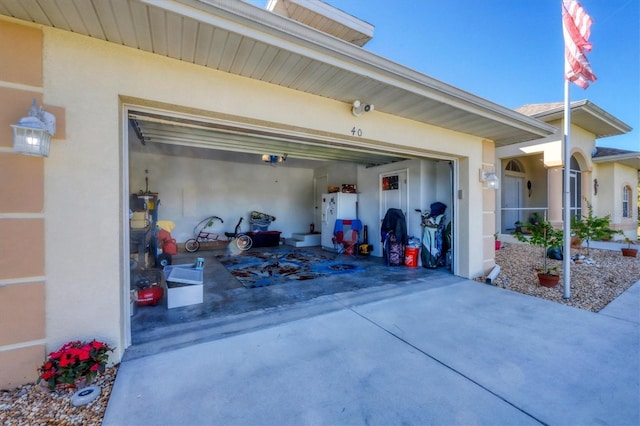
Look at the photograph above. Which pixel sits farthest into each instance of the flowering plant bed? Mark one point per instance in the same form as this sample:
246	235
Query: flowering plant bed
74	360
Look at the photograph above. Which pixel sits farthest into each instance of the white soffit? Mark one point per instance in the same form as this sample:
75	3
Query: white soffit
238	38
326	18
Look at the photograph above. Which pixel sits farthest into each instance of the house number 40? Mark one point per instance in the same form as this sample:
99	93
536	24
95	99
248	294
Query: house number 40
356	132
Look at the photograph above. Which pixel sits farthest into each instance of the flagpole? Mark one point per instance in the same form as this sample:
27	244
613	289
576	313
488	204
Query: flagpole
566	258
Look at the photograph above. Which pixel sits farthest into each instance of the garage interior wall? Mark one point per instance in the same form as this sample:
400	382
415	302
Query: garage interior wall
191	189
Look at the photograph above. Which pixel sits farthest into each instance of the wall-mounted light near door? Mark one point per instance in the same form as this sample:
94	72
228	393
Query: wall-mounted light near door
32	134
595	186
490	179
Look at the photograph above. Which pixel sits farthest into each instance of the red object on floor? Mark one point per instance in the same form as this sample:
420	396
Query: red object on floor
149	296
411	256
167	243
170	247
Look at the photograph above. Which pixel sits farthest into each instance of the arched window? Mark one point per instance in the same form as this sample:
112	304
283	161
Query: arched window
514	166
626	196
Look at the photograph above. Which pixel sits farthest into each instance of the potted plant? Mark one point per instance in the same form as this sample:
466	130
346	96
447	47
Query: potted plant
628	251
498	243
541	233
591	227
74	364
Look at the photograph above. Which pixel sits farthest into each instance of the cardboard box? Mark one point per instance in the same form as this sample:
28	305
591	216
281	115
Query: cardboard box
139	224
140	216
139	220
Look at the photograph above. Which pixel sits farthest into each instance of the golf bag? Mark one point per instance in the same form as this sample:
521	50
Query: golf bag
433	253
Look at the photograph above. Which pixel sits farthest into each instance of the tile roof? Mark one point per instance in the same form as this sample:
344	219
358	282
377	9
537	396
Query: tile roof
601	152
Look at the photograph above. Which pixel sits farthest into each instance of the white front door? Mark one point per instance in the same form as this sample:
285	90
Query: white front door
511	202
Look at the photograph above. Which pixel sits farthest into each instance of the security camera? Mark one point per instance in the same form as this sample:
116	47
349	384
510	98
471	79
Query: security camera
358	108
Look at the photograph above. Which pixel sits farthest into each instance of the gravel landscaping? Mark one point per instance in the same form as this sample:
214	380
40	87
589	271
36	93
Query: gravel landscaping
593	286
31	405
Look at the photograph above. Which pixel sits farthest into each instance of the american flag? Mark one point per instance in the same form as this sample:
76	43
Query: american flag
576	27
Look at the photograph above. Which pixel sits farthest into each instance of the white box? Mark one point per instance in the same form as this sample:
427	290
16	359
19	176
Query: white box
180	294
184	285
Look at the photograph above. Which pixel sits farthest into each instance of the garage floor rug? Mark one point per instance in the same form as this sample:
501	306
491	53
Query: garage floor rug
281	265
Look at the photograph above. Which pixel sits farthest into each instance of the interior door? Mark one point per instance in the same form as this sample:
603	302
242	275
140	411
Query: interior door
511	202
393	192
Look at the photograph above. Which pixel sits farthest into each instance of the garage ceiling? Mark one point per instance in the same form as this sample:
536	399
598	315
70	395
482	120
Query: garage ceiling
155	129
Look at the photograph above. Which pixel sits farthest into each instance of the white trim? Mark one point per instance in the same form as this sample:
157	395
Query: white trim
21	215
125	290
24	280
22	345
25	87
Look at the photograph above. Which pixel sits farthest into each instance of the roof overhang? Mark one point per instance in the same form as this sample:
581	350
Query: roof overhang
239	38
326	18
589	116
629	160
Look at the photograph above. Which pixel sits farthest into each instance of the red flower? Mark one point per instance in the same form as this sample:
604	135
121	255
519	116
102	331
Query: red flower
74	359
83	354
67	359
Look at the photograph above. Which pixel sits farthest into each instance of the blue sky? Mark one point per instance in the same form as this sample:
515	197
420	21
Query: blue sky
511	51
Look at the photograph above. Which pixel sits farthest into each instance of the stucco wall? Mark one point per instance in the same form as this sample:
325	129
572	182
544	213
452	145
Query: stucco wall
22	212
84	185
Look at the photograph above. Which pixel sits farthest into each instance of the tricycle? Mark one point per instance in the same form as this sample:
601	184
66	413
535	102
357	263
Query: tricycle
202	234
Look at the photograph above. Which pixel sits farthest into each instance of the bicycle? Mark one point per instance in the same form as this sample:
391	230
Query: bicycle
192	245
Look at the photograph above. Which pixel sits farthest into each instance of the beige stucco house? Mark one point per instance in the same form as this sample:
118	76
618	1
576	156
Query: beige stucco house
183	97
532	172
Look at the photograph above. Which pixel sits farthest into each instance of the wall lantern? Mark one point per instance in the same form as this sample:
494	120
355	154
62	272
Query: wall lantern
490	179
595	186
32	134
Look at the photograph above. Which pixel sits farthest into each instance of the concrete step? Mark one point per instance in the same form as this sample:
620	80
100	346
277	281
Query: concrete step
303	240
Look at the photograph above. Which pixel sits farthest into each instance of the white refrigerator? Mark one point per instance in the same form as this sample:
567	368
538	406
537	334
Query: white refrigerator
337	205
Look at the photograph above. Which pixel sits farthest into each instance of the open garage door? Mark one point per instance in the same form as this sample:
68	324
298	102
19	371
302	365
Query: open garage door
201	166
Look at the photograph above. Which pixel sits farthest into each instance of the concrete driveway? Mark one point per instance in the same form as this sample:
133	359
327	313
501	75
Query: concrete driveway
457	352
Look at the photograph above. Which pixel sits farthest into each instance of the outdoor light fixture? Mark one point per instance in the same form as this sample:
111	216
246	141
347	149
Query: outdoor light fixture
32	134
595	186
358	108
490	179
